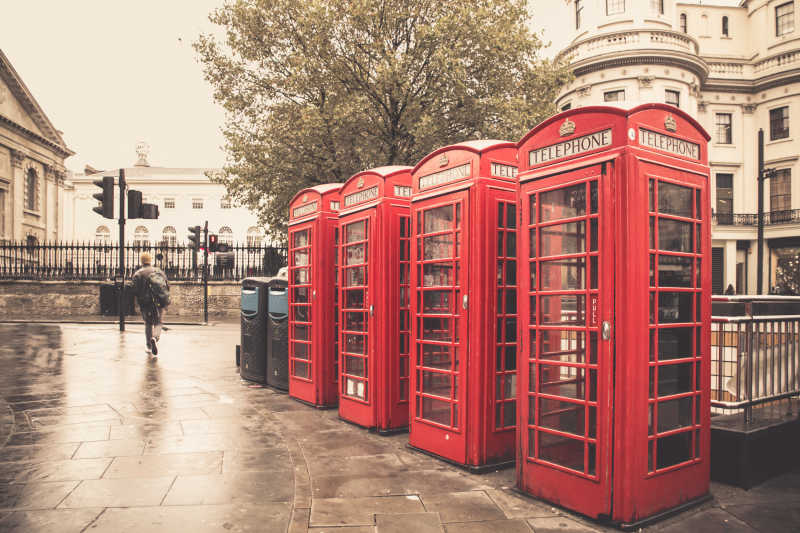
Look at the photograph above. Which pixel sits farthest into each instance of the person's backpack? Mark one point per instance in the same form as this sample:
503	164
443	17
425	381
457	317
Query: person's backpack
156	286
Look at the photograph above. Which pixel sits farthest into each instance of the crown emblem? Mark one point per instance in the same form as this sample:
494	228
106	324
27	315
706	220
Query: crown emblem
305	197
670	123
443	160
360	183
567	128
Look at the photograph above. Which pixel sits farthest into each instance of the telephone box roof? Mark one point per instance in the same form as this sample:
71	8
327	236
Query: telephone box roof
319	189
476	146
384	172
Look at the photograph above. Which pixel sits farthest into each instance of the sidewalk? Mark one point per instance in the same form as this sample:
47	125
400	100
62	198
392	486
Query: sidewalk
105	441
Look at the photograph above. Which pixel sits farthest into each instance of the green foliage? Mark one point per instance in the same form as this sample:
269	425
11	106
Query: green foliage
317	90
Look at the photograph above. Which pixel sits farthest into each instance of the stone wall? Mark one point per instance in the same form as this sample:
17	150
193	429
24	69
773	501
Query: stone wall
80	300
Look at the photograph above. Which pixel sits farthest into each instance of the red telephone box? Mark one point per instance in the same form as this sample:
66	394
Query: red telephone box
464	311
313	328
615	302
375	231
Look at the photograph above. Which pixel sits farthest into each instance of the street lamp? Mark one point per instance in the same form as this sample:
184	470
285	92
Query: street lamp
763	174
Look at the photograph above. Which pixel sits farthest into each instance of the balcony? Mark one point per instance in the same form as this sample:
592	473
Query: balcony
788	216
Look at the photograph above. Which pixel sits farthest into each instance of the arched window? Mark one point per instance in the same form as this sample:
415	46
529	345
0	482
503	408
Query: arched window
226	235
169	237
254	237
102	235
704	24
683	22
725	26
141	237
32	190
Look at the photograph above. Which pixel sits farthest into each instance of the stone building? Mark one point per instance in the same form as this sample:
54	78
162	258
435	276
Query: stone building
32	171
734	65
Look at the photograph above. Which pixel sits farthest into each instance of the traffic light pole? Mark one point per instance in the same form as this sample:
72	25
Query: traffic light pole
122	249
205	273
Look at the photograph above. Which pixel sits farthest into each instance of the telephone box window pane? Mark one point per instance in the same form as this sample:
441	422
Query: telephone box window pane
674	449
593	270
437	411
674	235
355	254
354	322
674	414
674	379
439	219
437	275
436	302
561	450
511	330
562	416
436	329
674	343
674	271
511	272
355	277
565	346
511	216
355	366
511	302
562	239
357	231
300	295
301	313
354	299
436	356
438	246
675	307
569	274
301	369
354	344
301	276
300	350
301	257
511	244
501	214
301	332
593	238
510	414
301	238
593	197
532	242
564	309
511	357
532	312
355	388
532	209
651	194
567	202
674	199
565	381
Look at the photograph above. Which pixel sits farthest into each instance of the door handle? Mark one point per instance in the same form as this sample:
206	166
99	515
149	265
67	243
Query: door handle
371	310
465	301
606	330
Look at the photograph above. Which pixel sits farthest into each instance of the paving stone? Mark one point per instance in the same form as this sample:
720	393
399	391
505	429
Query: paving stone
35	495
341	443
463	506
49	521
78	433
137	492
360	511
174	464
260	460
491	526
772	518
299	521
515	505
417	482
375	465
411	522
37	453
146	430
346	529
560	524
109	448
240	487
73	470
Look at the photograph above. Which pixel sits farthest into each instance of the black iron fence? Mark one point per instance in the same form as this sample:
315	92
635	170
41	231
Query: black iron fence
99	261
787	216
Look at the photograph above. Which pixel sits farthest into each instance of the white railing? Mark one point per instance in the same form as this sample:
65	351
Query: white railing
780	60
609	42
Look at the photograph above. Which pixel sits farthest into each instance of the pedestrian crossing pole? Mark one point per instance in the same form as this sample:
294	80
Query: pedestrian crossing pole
205	272
122	249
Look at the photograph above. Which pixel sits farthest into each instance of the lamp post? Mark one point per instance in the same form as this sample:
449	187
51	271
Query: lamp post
763	174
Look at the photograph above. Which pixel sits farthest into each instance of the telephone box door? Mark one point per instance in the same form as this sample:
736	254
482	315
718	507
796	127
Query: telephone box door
301	302
440	319
357	365
566	277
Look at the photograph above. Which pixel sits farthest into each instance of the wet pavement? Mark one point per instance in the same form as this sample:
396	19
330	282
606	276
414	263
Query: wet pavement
95	437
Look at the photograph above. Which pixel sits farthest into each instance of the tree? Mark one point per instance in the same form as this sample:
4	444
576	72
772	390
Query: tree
317	90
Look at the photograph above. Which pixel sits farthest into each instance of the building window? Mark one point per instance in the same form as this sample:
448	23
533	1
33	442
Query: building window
169	237
141	237
780	190
724	129
614	96
724	198
32	190
225	202
566	106
169	203
578	13
657	6
672	97
725	26
683	24
254	237
226	235
784	19
102	235
615	7
197	203
779	123
2	213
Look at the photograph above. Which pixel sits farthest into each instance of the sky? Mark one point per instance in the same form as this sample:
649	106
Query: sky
111	73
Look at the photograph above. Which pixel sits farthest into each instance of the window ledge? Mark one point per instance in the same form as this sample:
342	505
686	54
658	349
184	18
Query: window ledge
779	141
32	212
723	145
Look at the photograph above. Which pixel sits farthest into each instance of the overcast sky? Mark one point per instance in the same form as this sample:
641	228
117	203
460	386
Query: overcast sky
110	73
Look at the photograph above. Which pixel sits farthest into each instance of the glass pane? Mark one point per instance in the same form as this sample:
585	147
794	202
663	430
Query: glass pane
300	238
437	274
354	344
673	449
674	379
300	295
510	414
301	333
354	321
675	307
569	274
354	299
564	309
437	411
356	388
301	257
674	343
565	381
593	197
355	254
561	450
301	275
674	414
436	383
436	302
651	195
436	329
436	356
300	350
532	209
501	214
511	244
563	416
355	366
438	246
301	313
301	369
674	199
357	231
563	203
511	357
674	235
511	272
511	216
438	219
511	302
355	277
565	346
674	271
562	239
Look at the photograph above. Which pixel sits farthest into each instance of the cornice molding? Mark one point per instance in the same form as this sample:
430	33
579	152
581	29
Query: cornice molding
31	135
607	61
17	158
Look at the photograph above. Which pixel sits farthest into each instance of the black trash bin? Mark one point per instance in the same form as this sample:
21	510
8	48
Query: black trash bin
109	300
253	352
278	333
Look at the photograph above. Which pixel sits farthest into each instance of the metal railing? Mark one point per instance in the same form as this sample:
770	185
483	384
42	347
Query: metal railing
755	352
100	261
787	216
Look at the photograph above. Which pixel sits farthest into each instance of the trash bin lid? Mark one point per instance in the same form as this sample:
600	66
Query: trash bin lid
250	297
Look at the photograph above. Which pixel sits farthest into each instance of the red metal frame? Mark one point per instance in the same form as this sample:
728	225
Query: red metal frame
313	237
464	318
611	431
373	287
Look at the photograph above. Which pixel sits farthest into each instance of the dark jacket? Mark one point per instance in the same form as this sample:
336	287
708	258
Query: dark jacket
139	283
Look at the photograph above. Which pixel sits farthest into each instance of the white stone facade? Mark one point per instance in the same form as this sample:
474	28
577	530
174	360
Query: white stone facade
734	65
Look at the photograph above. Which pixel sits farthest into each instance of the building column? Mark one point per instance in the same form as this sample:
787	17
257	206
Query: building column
17	194
729	270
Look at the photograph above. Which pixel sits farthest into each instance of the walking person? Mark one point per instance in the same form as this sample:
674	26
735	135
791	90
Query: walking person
152	292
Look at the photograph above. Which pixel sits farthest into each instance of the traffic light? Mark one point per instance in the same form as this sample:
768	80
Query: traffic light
212	242
134	204
106	198
149	211
194	237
